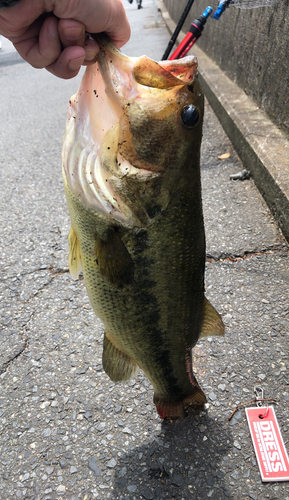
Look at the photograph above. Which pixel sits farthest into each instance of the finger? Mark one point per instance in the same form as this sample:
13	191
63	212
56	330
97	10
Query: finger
91	50
68	63
118	27
71	32
108	16
42	50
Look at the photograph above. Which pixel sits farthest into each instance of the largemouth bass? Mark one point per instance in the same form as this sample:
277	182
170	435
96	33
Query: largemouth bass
131	170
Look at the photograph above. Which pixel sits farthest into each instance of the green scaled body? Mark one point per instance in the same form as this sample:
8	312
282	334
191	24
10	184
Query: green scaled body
142	246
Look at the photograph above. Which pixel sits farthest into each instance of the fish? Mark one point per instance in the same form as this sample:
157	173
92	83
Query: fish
131	173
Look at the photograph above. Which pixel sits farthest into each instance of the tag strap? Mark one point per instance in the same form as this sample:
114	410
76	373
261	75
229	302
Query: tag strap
255	400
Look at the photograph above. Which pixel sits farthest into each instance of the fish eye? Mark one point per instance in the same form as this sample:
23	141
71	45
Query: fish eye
189	116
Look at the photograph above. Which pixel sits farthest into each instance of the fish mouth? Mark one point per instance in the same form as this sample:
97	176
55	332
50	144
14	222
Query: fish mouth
126	77
93	163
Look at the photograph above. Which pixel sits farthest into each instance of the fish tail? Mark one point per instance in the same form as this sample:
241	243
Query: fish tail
172	409
117	365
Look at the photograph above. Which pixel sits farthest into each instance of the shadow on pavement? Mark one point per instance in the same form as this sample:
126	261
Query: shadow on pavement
183	461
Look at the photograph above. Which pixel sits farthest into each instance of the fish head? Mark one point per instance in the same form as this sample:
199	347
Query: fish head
133	133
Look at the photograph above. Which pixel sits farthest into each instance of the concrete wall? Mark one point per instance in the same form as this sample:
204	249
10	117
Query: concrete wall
251	47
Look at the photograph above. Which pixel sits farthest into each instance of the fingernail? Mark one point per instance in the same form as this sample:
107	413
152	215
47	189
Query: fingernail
75	64
52	30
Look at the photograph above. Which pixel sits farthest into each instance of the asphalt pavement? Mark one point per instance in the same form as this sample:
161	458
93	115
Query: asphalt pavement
66	431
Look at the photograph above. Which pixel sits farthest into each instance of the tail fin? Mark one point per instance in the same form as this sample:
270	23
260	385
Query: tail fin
175	410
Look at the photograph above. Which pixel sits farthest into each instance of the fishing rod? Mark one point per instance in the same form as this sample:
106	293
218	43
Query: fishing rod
192	36
177	30
197	25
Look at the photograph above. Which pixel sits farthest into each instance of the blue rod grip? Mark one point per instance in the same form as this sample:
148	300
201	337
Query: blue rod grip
220	9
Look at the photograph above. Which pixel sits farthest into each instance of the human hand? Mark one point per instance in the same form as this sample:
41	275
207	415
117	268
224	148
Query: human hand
51	34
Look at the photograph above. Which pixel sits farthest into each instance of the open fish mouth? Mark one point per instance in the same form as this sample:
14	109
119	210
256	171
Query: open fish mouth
99	150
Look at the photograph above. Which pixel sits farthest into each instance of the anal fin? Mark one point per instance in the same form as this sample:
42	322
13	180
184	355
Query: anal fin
212	321
116	363
74	257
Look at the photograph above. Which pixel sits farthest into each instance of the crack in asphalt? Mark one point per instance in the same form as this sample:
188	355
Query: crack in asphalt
25	273
53	271
59	270
222	257
15	355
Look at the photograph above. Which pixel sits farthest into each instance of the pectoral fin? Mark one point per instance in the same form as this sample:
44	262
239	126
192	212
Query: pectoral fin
114	261
74	257
116	363
212	321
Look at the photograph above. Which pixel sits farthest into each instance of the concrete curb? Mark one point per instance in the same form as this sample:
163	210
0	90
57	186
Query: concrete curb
262	147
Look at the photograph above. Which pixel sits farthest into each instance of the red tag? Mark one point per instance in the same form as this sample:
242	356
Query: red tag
268	443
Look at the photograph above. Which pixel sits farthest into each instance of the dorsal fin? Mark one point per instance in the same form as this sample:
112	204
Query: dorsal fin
74	257
212	321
